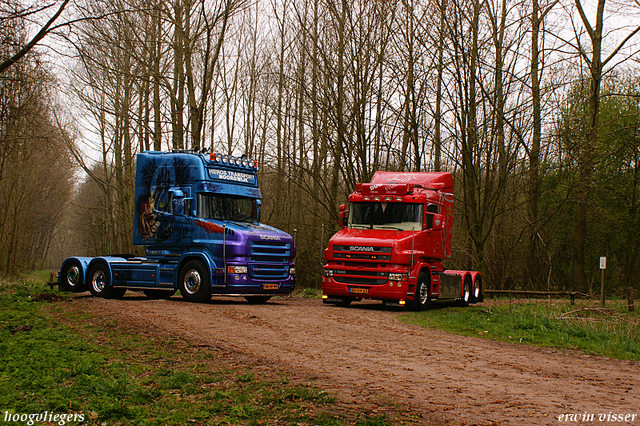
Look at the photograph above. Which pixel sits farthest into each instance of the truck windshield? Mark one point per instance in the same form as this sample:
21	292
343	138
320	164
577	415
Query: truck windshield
400	216
227	207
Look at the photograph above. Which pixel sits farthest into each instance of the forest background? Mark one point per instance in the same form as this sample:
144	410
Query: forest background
533	105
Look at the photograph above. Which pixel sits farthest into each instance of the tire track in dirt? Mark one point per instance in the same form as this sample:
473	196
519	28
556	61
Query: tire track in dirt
366	355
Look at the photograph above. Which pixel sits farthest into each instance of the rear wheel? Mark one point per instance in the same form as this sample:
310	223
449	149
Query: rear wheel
466	292
159	294
477	290
422	297
71	279
194	282
100	283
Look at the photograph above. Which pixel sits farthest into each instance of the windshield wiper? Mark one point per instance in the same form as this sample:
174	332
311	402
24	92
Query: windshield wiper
390	227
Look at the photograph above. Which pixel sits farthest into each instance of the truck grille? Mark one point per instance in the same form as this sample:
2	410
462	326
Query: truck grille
377	254
269	260
360	277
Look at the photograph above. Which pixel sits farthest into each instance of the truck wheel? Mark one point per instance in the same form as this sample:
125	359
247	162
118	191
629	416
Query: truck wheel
71	279
194	282
422	298
159	294
99	283
256	300
466	292
477	290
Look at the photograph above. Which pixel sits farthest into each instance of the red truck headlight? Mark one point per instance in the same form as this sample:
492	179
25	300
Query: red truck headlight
398	277
327	272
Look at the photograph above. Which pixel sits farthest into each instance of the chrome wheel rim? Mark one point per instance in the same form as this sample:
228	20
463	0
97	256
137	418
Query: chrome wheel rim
424	293
99	281
192	281
467	292
73	276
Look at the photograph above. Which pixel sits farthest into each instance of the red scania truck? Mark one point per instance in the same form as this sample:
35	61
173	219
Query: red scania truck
395	235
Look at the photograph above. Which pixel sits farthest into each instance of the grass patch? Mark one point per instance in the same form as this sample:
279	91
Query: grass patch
612	331
60	360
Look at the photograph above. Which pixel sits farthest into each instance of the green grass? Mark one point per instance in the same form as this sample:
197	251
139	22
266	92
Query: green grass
612	332
72	362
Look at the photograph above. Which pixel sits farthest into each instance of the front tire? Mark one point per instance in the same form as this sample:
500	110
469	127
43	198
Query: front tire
422	297
100	283
194	282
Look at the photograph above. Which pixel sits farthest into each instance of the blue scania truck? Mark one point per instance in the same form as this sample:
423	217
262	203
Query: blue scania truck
197	216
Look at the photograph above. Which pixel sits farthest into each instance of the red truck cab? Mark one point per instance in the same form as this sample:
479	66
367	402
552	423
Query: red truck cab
395	234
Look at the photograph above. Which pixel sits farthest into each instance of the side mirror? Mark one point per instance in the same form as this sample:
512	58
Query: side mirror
177	202
344	216
258	205
438	222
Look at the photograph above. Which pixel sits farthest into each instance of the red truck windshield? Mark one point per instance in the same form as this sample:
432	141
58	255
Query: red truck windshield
400	216
225	207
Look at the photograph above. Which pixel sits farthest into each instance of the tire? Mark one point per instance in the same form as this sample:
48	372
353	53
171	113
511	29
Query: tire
422	297
159	294
194	282
257	300
100	283
477	290
466	292
71	278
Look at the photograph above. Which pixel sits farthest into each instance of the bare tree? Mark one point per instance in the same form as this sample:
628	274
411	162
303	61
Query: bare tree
13	11
592	55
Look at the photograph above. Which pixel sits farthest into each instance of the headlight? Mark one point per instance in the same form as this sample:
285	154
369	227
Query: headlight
327	272
292	271
398	277
237	269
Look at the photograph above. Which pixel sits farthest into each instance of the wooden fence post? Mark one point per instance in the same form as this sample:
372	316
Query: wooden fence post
630	298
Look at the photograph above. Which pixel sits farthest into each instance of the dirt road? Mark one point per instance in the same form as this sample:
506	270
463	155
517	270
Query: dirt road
366	356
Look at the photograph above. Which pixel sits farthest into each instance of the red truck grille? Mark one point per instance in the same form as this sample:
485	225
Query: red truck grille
360	277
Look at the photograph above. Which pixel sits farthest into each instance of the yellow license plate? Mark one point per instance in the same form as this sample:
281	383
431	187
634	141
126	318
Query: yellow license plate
271	286
358	290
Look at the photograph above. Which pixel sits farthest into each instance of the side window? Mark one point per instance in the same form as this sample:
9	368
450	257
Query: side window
431	210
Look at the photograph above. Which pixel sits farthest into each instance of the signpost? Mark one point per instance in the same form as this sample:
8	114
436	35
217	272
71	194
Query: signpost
603	267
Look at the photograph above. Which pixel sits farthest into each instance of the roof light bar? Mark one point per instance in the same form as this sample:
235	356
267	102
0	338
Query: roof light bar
230	160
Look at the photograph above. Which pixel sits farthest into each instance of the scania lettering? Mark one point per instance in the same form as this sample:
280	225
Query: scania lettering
396	233
197	216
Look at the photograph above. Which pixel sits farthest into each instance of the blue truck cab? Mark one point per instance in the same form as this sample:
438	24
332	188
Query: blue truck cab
198	217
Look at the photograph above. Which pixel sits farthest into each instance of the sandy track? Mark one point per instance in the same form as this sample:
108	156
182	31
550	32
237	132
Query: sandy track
367	356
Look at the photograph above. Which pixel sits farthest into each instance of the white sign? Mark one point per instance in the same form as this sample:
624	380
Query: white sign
603	263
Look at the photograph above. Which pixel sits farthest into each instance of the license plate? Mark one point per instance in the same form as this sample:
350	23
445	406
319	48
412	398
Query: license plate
271	286
358	290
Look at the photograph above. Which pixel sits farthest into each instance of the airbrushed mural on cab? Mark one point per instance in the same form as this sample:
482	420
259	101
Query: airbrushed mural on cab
154	219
